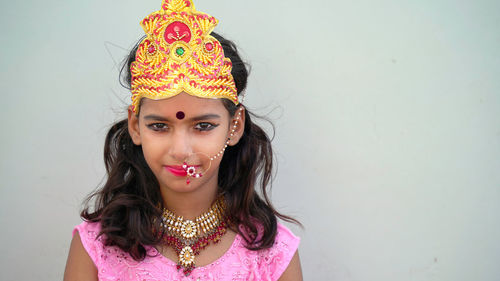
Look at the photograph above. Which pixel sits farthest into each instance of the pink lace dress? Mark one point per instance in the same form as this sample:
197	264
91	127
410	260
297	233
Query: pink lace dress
237	263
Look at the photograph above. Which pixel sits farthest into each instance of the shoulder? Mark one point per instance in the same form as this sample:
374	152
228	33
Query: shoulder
86	228
288	244
277	258
111	262
271	263
91	241
83	253
286	239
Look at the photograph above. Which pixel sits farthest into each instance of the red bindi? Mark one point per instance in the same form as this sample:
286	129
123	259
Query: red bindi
180	115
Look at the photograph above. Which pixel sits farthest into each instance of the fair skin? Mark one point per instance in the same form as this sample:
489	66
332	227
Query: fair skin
169	141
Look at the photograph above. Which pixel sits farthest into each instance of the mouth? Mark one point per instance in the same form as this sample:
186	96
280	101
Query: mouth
178	171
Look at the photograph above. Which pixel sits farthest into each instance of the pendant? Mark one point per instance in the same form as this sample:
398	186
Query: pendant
186	260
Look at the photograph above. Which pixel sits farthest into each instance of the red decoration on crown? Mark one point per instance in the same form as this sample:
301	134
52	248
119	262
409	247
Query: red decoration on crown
209	46
177	31
151	49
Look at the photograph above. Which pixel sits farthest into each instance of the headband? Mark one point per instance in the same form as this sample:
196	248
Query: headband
178	55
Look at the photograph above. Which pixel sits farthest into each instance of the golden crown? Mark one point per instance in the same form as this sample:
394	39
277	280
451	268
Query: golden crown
179	55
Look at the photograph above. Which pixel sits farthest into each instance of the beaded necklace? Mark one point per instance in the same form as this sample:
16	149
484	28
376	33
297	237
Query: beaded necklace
188	237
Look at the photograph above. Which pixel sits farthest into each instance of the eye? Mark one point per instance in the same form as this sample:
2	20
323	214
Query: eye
205	126
158	126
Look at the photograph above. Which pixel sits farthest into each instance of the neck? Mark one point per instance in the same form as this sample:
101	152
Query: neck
190	204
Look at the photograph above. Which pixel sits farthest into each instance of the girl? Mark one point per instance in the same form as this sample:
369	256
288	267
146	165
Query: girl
180	200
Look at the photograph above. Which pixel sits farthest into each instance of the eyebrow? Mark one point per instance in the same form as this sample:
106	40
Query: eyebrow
205	117
196	118
155	117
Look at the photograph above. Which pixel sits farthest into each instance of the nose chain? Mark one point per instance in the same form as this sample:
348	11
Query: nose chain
191	171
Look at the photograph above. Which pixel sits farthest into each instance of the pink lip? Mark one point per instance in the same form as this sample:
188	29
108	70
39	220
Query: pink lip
176	171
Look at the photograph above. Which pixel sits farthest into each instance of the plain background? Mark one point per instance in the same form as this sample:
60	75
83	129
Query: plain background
387	117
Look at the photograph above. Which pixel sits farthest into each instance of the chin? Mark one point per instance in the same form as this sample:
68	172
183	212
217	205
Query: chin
179	185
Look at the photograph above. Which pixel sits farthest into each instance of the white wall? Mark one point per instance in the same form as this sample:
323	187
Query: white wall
387	114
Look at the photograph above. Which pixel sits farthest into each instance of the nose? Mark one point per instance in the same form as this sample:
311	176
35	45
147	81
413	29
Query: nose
179	147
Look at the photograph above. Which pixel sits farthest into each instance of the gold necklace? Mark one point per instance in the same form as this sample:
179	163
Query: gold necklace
189	237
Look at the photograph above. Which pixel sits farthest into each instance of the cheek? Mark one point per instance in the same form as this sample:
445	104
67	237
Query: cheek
213	143
152	151
209	147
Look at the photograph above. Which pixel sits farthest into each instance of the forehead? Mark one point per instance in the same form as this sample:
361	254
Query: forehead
184	102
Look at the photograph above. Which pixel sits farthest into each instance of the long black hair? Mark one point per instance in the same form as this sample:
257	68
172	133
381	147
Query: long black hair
127	204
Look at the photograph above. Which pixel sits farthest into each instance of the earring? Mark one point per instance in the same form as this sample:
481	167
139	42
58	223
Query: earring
233	130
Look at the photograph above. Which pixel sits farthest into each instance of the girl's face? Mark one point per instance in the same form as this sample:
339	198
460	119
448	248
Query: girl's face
181	129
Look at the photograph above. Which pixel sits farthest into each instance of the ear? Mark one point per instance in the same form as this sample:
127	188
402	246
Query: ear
237	126
133	126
